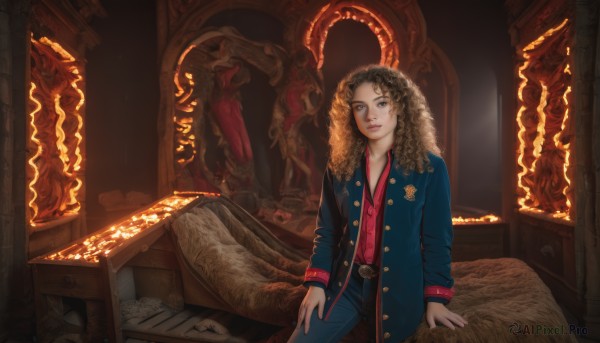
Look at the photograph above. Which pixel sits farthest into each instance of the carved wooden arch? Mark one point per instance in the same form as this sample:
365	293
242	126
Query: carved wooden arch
398	25
315	35
401	31
188	27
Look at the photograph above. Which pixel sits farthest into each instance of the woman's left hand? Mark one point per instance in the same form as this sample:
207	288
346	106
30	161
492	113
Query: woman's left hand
437	312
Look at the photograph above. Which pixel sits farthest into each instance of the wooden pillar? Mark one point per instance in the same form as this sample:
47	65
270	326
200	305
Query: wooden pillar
6	158
16	306
21	297
586	92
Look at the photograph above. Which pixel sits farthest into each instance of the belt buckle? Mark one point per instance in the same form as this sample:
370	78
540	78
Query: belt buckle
366	271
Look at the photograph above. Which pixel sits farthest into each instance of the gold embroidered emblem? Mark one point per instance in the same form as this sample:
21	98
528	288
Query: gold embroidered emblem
410	192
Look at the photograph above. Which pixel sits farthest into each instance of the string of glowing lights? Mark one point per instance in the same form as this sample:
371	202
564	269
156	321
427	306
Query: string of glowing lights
107	240
557	141
38	152
541	127
489	218
184	124
77	165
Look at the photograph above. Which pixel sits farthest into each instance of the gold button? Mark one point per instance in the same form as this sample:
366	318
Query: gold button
387	228
356	203
346	263
392	181
386	335
386	317
340	284
355	223
328	298
386	249
357	183
390	202
385	289
386	269
351	242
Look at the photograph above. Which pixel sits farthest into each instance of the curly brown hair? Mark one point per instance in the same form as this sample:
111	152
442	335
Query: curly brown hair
414	135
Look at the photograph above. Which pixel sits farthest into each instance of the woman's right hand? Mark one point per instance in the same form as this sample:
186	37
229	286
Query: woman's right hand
314	297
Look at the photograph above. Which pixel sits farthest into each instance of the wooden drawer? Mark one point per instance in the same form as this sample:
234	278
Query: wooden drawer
69	281
475	241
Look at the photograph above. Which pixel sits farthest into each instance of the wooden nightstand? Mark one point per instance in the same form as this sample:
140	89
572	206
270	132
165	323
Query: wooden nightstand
475	241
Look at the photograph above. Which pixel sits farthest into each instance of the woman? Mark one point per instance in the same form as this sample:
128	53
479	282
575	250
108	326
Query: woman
384	226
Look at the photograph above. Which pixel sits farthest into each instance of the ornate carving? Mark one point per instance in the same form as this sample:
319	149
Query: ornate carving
55	101
299	99
176	10
316	33
545	130
67	22
219	57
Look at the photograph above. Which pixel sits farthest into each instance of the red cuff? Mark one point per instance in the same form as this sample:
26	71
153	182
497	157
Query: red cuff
316	274
439	292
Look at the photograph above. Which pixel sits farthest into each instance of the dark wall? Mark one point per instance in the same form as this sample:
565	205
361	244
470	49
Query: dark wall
349	45
122	104
474	36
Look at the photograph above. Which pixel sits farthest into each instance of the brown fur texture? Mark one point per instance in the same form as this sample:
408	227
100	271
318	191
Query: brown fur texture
251	274
492	295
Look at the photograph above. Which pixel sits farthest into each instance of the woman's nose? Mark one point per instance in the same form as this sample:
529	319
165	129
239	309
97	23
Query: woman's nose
370	115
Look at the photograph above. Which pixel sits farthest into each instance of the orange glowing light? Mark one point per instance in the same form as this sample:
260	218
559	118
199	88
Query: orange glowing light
541	127
60	134
180	90
105	241
527	201
38	152
558	143
184	124
67	57
69	154
489	218
521	134
78	157
318	29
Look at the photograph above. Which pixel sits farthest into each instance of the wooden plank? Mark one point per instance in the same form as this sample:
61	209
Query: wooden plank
154	258
111	302
140	243
155	320
183	328
173	322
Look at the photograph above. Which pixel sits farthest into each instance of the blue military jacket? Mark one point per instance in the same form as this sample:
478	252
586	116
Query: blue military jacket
415	243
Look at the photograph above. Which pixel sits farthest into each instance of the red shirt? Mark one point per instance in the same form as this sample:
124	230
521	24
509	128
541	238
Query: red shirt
372	217
370	230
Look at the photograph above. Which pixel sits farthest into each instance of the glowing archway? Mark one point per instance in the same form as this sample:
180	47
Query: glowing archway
318	29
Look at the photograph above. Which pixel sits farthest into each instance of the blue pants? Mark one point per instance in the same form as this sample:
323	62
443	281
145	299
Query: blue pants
356	303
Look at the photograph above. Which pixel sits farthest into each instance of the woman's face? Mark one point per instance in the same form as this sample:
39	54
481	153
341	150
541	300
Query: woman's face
373	113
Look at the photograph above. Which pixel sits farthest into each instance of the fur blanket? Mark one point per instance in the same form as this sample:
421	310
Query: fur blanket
255	274
503	299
